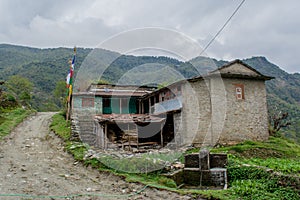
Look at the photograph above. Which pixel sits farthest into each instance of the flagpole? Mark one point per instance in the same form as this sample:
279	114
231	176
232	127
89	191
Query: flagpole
70	86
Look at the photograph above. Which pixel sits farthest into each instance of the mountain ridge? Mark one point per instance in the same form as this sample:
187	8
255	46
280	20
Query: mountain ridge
44	67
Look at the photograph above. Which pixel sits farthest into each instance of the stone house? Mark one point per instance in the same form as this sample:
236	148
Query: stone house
225	106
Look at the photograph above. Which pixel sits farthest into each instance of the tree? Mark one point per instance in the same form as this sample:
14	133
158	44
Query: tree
1	83
60	93
21	88
277	121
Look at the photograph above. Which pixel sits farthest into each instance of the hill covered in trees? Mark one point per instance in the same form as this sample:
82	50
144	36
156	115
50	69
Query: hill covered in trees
46	69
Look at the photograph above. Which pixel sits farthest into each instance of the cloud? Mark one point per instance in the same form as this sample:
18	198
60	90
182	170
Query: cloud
270	28
263	28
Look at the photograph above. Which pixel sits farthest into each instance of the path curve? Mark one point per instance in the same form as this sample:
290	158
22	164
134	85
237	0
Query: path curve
33	164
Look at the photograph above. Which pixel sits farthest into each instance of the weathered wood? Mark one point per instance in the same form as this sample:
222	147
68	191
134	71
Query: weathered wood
136	144
68	111
161	135
105	134
137	132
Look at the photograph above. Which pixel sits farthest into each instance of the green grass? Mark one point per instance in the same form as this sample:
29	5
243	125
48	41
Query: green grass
60	126
249	171
10	118
143	163
247	174
274	147
286	166
278	154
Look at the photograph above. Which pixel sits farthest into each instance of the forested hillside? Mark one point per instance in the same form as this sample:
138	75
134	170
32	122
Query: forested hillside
43	67
46	67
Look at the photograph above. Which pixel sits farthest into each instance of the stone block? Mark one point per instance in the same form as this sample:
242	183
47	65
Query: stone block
218	176
191	160
193	177
218	160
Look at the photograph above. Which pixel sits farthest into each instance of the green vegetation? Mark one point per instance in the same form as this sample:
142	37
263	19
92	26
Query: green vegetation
274	147
20	88
146	162
256	170
254	166
60	126
60	94
11	111
43	67
10	118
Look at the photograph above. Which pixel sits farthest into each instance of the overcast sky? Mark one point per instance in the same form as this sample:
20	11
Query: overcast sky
269	28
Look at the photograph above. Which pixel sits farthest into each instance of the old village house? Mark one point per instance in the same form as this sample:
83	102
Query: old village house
225	106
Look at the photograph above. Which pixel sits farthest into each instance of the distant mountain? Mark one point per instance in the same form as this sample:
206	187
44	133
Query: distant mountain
44	67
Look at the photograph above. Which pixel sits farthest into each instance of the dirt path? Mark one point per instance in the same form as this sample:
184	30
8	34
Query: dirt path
33	165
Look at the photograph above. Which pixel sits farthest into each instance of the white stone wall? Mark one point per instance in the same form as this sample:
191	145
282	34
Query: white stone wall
246	119
196	111
178	139
211	113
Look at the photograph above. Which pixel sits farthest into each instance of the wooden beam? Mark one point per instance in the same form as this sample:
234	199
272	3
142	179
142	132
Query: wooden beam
161	135
120	104
105	136
140	107
137	132
128	136
68	112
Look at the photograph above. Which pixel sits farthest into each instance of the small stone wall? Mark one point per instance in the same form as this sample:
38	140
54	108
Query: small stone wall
82	127
202	170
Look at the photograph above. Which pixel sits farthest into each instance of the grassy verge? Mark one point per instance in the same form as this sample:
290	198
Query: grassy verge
248	169
10	118
60	127
278	154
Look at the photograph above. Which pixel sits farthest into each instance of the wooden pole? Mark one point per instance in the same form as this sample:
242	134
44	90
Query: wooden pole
68	112
161	135
128	136
140	107
137	133
105	136
149	106
69	101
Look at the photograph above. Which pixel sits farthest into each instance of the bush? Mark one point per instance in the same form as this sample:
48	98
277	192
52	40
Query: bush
8	101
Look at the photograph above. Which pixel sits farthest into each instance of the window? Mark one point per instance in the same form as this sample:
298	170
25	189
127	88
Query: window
106	106
239	91
88	102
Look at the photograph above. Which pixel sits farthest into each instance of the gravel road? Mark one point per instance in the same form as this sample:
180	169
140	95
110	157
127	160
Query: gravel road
33	165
